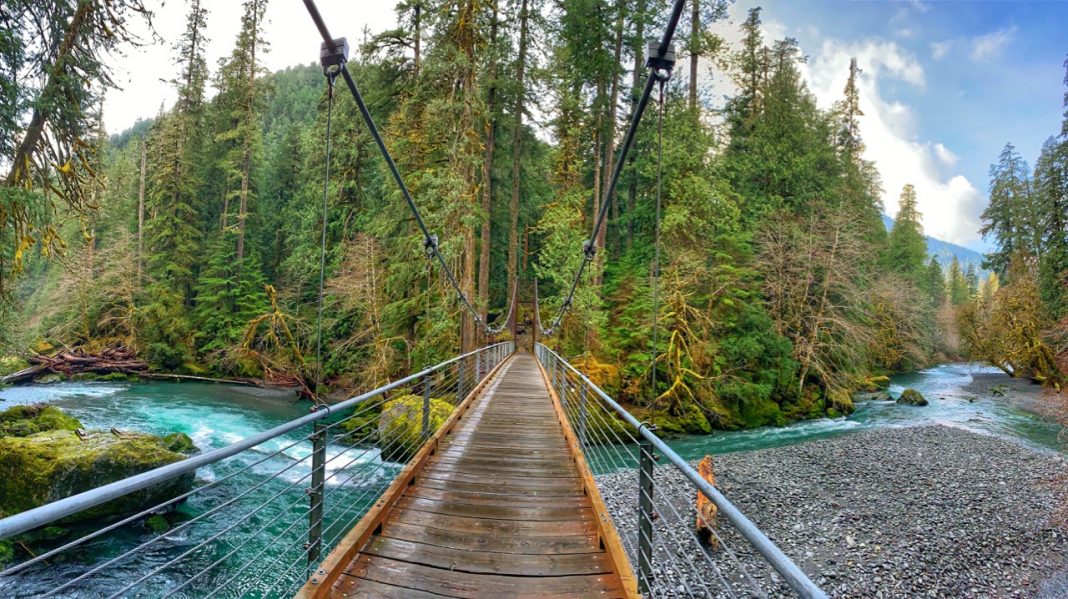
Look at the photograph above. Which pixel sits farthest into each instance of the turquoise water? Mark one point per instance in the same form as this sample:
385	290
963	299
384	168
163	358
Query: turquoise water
942	385
269	545
216	415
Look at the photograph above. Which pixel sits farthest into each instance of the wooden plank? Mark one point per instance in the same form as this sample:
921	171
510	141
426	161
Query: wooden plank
502	481
468	541
489	486
356	538
352	587
502	527
609	536
463	584
488	562
543	513
503	498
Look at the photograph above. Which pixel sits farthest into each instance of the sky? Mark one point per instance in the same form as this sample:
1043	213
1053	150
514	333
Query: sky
944	85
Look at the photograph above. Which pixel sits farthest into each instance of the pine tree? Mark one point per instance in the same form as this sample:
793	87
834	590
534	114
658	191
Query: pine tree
936	282
1009	216
241	99
907	251
958	286
1051	200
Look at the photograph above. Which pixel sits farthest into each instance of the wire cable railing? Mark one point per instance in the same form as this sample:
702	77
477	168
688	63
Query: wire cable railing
261	513
675	549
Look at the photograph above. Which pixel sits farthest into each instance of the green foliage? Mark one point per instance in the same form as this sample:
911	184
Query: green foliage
229	293
907	249
400	425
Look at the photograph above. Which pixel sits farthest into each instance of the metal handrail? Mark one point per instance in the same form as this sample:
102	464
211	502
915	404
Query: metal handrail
791	573
51	512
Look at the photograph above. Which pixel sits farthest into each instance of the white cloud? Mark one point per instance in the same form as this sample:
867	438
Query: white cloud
905	33
988	46
920	7
945	155
939	49
949	203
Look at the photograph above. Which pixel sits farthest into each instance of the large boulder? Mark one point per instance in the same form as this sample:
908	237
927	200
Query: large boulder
912	397
400	425
46	456
49	466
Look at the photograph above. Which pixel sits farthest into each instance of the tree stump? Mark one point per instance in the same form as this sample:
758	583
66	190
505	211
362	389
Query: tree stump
706	510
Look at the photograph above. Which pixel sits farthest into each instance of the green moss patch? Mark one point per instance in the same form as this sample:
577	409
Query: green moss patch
400	426
23	421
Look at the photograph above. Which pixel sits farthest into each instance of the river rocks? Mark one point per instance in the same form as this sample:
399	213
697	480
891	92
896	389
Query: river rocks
400	426
157	524
180	443
912	397
895	513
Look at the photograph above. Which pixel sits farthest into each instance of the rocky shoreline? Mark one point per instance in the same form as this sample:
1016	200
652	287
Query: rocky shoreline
928	511
1021	393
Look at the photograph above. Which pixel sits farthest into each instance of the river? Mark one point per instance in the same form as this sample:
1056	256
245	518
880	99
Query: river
216	415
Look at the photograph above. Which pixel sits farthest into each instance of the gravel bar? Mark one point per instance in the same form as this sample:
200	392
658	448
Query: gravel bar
929	511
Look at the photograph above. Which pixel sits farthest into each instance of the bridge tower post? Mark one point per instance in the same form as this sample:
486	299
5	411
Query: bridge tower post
645	514
315	493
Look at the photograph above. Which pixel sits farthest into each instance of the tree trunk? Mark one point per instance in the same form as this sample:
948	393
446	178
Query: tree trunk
610	130
141	218
418	38
246	158
635	94
695	44
20	161
517	150
487	171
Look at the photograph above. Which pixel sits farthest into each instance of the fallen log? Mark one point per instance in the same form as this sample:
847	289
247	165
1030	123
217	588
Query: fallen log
24	375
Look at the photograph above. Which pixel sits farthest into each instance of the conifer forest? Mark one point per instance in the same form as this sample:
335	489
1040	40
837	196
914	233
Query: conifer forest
743	277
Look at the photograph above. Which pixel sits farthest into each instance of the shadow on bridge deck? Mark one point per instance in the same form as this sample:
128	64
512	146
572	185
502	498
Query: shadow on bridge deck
498	504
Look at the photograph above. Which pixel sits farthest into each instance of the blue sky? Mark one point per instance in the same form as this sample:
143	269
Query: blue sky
946	85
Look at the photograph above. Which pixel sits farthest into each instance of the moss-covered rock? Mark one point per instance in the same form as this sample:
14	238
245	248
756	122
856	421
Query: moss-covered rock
692	422
7	553
157	524
10	364
23	421
400	425
912	397
180	443
51	465
360	428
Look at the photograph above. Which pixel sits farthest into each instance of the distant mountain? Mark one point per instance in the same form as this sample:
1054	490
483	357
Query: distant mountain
945	250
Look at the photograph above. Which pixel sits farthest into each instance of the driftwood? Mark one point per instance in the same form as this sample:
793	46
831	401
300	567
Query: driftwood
706	510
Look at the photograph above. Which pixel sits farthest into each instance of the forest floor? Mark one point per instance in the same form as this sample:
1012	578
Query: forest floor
927	511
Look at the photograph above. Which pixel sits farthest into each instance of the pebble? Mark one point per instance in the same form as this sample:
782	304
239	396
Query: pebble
928	511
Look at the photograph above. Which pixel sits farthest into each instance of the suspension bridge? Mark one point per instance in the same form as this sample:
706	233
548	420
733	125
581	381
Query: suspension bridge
502	472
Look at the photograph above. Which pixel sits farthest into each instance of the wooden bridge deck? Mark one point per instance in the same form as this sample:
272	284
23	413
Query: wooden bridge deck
498	504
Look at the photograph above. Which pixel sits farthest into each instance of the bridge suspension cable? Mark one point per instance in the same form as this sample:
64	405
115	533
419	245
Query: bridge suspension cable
660	66
333	46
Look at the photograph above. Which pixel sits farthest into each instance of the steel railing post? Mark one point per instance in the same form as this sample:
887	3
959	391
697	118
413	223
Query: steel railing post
426	406
459	381
645	514
478	368
582	415
563	384
315	493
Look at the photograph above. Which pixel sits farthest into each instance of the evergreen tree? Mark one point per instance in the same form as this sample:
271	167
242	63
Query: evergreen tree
1051	203
1009	216
241	103
907	250
958	286
936	282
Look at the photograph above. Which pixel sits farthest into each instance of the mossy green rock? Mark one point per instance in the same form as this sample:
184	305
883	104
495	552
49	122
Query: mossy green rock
400	426
180	443
49	466
692	422
912	397
157	524
23	421
7	553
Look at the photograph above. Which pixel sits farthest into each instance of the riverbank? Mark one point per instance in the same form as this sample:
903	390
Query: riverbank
927	511
1021	393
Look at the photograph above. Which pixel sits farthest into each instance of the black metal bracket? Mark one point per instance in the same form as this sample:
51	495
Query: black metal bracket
333	56
661	60
589	249
430	244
